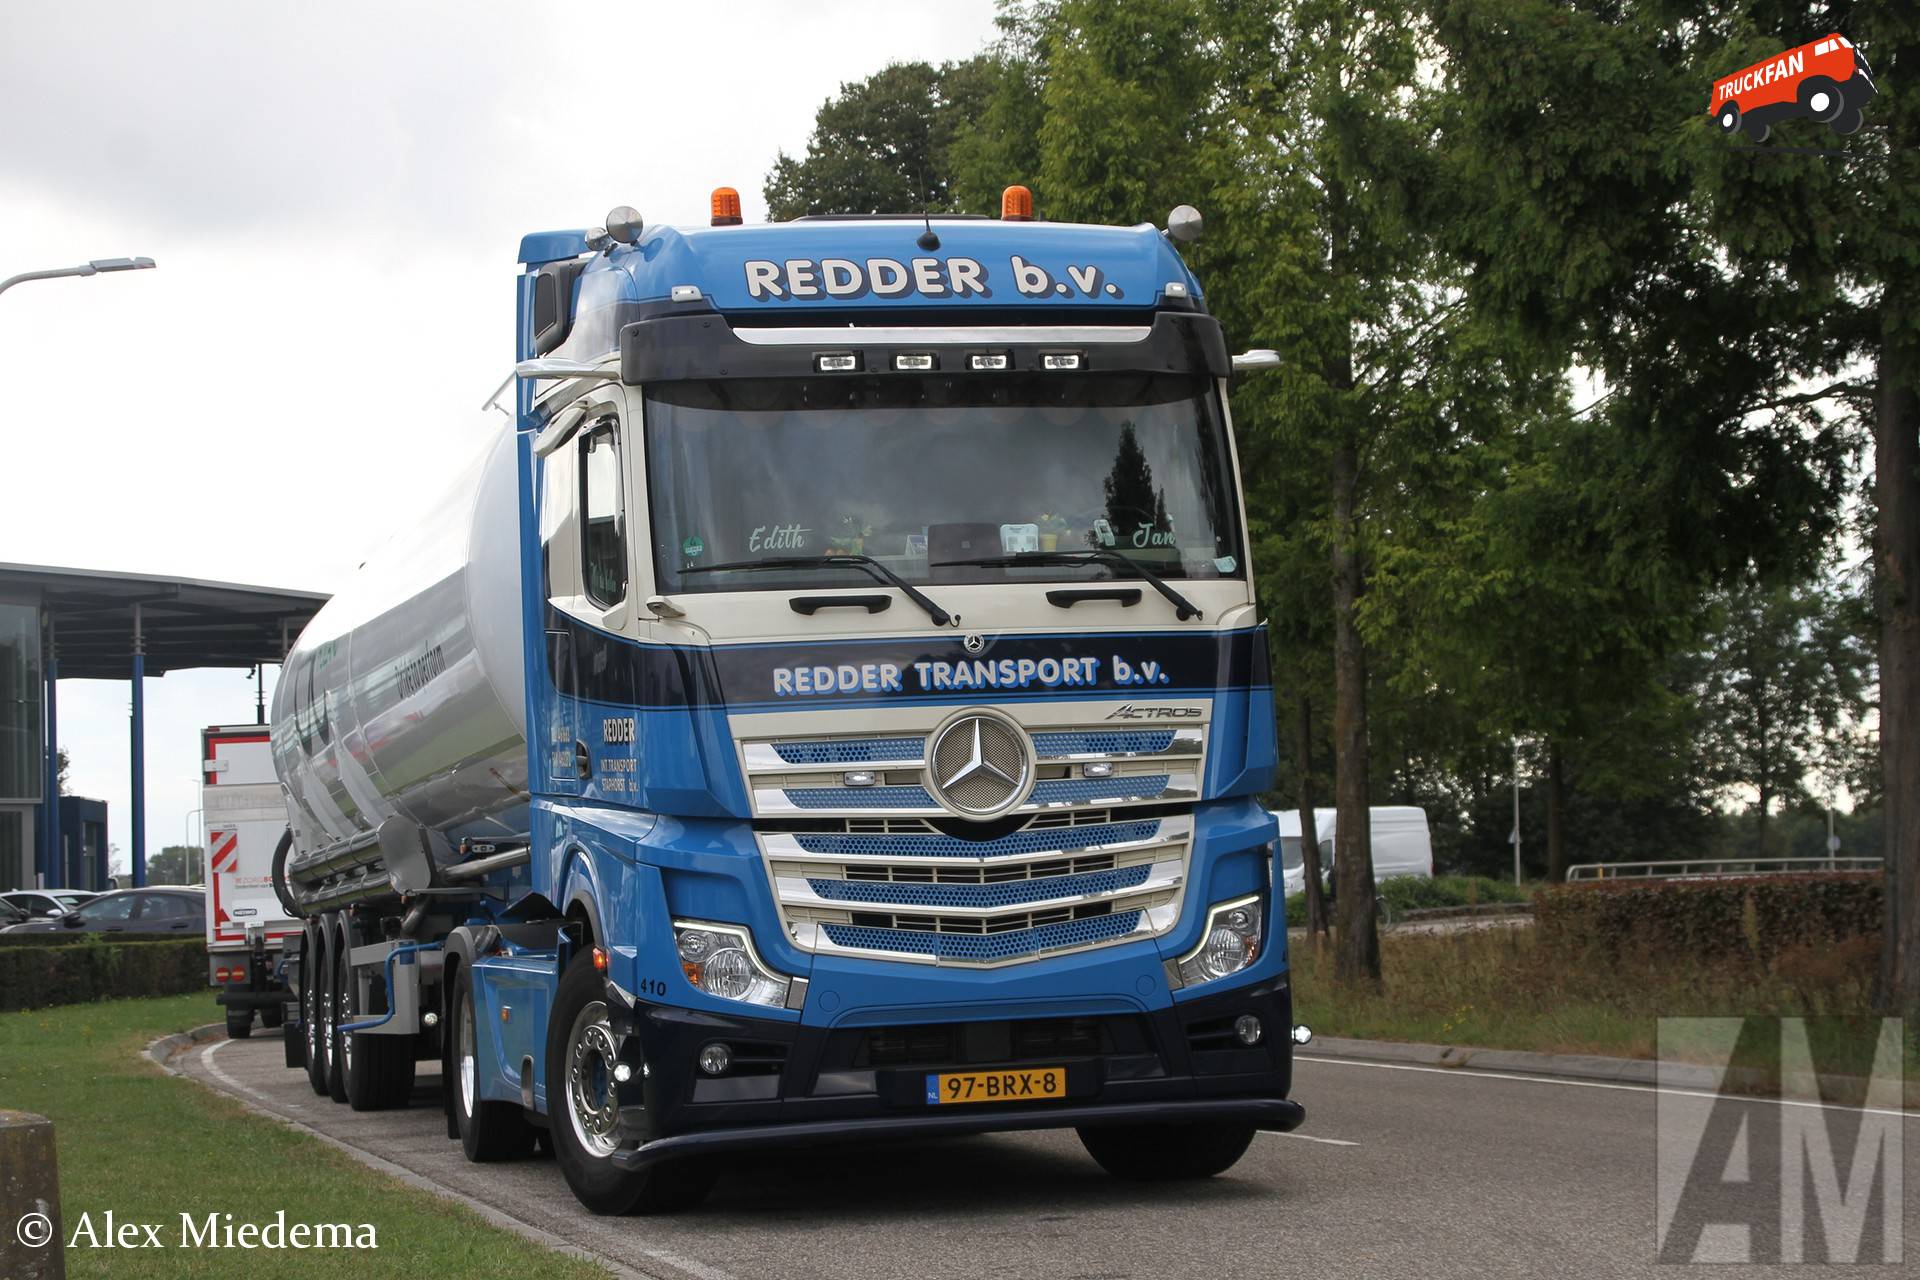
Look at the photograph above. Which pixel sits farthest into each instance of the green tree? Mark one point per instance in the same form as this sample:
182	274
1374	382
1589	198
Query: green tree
1784	676
1746	307
883	144
177	864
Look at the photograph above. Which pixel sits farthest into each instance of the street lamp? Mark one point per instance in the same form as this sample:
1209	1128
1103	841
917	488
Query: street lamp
93	268
186	841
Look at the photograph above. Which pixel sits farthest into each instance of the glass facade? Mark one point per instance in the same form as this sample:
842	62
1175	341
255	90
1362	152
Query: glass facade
21	740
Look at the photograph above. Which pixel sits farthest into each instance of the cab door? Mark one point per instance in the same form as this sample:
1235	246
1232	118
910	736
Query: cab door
587	552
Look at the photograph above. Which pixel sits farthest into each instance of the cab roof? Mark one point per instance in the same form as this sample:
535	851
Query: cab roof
822	264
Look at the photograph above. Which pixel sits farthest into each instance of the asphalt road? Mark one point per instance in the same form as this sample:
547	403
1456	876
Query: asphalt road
1400	1171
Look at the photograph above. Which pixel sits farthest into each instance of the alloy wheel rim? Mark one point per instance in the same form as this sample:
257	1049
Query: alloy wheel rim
591	1107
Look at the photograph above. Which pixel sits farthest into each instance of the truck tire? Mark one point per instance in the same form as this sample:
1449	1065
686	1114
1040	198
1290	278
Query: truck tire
313	969
488	1131
580	1110
379	1068
272	1015
1167	1153
334	927
239	1024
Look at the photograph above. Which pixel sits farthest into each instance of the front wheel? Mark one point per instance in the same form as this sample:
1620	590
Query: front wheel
1729	118
1166	1153
583	1112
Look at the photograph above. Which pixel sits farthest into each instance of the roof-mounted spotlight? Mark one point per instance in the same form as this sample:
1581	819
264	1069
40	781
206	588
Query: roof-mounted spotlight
726	207
1184	223
598	240
624	223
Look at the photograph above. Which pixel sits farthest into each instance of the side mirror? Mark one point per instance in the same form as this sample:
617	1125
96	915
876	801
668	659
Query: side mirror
70	921
1260	358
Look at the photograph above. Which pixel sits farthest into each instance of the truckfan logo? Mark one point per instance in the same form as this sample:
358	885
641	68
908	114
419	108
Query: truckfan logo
979	764
1828	80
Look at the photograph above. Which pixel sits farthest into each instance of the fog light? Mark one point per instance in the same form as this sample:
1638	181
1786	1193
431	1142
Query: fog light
622	1072
1248	1029
715	1059
1302	1034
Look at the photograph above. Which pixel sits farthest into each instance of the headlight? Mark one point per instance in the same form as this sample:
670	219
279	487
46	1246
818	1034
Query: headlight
1230	944
719	959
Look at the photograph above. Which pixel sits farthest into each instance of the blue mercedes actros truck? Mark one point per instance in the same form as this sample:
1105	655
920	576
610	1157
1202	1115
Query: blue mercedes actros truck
833	707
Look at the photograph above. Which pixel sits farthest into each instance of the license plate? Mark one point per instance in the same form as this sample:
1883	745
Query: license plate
995	1086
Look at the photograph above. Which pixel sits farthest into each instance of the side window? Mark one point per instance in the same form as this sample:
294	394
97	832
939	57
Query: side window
559	485
603	523
161	906
118	907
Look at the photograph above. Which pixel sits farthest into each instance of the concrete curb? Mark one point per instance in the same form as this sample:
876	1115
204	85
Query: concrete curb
1583	1066
163	1050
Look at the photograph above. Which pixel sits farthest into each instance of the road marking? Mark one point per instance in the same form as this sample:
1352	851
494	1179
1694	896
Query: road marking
1308	1137
1469	1073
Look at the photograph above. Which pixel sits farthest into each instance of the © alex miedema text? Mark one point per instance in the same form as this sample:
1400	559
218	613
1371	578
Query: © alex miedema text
219	1231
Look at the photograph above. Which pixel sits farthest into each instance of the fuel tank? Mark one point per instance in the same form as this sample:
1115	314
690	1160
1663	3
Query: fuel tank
404	697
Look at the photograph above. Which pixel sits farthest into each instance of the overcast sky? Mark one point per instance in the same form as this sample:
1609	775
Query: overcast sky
334	194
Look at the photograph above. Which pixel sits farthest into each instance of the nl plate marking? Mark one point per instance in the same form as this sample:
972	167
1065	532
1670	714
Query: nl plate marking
994	1086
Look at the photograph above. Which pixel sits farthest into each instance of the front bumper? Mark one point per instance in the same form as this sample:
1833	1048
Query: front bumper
794	1083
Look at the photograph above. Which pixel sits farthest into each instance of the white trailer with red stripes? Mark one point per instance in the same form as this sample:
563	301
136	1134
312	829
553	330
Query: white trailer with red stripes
245	814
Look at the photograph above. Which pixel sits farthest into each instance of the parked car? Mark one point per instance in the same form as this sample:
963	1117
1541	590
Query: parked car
153	910
1402	845
10	915
42	903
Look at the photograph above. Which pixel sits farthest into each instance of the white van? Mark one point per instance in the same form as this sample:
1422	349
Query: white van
1402	845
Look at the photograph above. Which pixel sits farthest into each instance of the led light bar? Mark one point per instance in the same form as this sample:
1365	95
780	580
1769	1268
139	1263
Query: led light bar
988	361
837	362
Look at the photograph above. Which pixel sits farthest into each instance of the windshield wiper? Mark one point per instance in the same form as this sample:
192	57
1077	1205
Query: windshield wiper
1183	608
873	568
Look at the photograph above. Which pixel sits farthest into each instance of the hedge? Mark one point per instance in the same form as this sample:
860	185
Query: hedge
79	937
1400	894
1757	916
36	977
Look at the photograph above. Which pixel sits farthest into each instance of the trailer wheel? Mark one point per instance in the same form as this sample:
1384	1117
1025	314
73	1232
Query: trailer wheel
272	1015
239	1024
313	969
1848	122
488	1131
1167	1153
581	1109
334	1012
379	1068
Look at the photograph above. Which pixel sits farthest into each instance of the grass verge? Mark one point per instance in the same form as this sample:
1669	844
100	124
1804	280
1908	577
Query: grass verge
151	1147
1500	988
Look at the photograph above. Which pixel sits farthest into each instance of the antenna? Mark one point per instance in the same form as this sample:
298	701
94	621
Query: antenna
928	241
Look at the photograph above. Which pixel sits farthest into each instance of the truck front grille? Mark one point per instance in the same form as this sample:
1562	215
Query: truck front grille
1074	767
1054	885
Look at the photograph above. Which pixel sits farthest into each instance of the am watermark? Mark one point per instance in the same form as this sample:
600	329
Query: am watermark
1812	1175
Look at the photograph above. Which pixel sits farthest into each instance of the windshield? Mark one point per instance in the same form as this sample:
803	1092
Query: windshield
913	471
